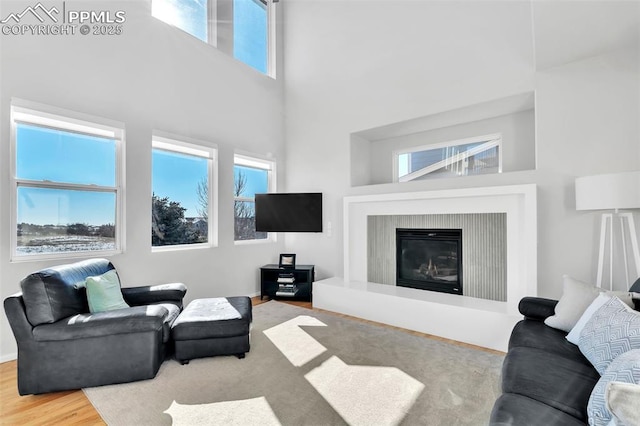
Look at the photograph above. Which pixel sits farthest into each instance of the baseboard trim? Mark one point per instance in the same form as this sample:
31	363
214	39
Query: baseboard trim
9	357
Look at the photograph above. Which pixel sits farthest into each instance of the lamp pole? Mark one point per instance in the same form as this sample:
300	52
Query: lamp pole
613	191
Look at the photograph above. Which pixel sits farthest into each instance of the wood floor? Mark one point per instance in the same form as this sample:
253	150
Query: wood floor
73	407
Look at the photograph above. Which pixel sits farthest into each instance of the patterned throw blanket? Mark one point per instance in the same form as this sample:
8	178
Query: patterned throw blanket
212	309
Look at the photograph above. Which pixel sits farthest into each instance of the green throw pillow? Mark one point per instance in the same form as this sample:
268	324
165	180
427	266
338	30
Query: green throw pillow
103	292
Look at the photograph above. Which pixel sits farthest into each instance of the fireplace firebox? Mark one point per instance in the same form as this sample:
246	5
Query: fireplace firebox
429	259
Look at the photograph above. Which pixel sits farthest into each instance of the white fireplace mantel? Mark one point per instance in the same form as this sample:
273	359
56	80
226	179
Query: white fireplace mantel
429	308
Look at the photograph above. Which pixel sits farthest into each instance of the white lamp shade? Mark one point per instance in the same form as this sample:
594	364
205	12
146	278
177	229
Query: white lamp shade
607	192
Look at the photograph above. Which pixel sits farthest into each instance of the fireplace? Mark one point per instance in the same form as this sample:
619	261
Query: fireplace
429	259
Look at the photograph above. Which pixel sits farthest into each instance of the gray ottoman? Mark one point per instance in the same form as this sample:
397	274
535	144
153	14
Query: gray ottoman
209	327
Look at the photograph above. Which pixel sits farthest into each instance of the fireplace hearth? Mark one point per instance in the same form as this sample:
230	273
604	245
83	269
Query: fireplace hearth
429	259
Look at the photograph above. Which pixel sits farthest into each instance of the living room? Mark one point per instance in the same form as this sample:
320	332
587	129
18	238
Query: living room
342	68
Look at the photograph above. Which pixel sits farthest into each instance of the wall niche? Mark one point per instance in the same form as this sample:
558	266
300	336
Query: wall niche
374	152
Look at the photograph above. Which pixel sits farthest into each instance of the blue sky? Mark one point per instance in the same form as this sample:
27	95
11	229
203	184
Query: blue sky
42	206
256	180
176	176
250	33
45	154
188	15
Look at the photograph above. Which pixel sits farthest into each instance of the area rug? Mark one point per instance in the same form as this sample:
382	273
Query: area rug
307	367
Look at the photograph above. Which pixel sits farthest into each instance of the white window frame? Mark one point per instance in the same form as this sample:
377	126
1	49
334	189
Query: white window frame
222	37
271	38
495	139
185	145
271	35
27	112
256	162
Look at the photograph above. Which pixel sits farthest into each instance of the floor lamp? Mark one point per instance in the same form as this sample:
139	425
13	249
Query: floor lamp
613	192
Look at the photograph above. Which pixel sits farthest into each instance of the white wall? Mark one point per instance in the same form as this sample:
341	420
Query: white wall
588	124
152	77
353	65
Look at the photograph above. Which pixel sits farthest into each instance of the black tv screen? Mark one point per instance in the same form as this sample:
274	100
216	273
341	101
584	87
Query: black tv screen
292	212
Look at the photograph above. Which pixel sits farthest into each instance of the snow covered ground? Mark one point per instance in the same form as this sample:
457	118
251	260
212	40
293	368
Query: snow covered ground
66	243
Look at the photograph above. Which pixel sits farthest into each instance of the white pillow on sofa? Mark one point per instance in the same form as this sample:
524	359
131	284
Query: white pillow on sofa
576	298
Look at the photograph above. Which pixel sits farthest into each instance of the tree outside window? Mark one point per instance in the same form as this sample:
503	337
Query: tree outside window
181	196
251	177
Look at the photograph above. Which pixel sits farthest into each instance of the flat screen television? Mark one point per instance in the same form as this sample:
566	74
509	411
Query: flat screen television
289	212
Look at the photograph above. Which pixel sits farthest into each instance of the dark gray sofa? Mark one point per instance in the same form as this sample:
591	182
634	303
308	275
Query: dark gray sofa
546	380
62	346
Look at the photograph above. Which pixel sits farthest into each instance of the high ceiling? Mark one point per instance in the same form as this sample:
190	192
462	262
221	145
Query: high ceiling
569	30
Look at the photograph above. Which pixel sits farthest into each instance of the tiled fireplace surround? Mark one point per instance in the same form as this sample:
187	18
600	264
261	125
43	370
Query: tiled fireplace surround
482	322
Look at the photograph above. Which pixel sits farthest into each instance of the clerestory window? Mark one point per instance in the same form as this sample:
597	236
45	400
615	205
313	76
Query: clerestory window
472	156
191	16
242	28
67	183
250	33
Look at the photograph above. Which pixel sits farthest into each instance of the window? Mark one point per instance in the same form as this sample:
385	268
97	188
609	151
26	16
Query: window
473	156
182	199
250	36
188	15
251	176
67	185
241	28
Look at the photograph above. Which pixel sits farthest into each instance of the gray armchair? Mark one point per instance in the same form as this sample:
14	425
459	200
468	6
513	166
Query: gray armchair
62	346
